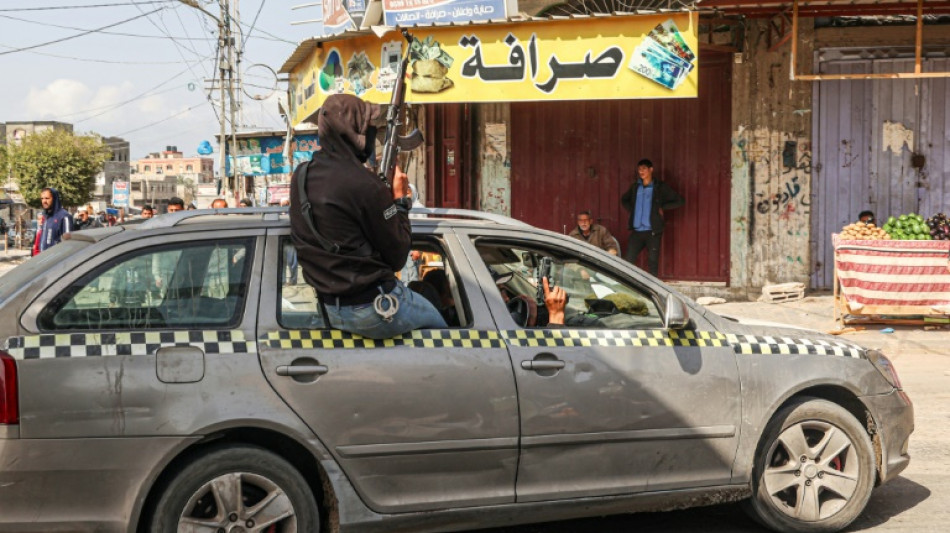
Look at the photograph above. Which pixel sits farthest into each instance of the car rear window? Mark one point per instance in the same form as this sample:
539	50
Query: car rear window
196	285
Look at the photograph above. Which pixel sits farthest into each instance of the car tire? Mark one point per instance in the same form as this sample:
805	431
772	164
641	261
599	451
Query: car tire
272	492
829	488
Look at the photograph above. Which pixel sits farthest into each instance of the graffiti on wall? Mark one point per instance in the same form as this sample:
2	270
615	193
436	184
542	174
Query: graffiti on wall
774	218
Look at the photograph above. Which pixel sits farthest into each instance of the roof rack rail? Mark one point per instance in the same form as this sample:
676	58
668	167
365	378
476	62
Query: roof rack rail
468	213
169	220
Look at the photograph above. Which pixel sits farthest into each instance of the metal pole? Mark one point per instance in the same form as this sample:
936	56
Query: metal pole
918	48
222	139
794	58
231	107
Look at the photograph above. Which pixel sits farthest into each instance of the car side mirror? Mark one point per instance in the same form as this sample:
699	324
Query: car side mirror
677	314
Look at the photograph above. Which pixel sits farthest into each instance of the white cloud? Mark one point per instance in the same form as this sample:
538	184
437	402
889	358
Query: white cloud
61	97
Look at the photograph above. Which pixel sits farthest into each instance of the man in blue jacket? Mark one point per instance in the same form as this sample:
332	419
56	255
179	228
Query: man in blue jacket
56	220
646	200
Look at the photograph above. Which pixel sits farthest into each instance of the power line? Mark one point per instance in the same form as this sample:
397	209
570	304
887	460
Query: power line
178	46
159	121
116	4
253	23
31	47
111	107
117	33
106	61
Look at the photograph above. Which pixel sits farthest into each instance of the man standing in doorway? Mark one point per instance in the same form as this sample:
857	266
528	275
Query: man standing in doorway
646	200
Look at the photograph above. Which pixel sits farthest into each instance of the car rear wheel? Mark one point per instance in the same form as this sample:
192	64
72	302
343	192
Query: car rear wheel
237	489
814	470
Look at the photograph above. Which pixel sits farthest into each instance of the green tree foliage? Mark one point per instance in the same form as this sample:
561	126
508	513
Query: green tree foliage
59	159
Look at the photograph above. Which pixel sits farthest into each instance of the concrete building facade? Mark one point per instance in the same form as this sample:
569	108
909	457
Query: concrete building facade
161	175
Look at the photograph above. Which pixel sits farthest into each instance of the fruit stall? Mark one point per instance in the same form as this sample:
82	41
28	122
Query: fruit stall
898	273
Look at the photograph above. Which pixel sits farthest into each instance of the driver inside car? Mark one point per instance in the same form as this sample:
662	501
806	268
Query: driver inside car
524	309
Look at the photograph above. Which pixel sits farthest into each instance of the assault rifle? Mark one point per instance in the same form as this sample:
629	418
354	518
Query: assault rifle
544	271
395	143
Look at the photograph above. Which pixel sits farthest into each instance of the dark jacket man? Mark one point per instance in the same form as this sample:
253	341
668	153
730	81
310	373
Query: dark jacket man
361	233
647	228
351	207
664	198
56	220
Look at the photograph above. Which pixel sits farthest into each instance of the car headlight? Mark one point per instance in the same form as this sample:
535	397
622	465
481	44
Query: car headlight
886	368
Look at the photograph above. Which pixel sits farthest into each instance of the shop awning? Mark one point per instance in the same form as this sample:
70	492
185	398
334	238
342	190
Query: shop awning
823	8
306	47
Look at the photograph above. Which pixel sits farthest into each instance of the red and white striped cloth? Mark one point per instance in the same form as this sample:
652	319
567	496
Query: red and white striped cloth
908	274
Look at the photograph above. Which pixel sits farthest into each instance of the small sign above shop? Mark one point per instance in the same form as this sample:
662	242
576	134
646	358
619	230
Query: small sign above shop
413	12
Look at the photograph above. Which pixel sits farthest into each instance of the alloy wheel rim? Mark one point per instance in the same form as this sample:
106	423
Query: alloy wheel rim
238	502
812	472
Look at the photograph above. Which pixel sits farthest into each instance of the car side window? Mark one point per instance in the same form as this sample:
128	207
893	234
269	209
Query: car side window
427	272
597	298
299	305
189	286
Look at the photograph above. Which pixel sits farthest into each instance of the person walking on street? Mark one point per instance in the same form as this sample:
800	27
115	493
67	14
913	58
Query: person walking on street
352	232
56	220
589	231
646	201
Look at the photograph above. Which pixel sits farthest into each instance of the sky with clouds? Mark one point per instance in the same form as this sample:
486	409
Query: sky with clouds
141	79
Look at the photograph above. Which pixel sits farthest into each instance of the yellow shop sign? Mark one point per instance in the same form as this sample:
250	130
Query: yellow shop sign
648	56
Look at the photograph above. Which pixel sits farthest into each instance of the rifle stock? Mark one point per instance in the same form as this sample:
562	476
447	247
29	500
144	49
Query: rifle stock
393	142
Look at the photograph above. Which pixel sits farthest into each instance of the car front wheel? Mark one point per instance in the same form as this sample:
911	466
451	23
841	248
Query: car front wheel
814	470
237	488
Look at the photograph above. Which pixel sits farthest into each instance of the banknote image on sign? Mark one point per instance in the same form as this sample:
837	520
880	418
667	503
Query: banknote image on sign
663	56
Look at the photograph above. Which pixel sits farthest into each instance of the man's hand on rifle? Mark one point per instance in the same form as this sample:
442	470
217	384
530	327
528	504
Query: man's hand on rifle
400	184
555	300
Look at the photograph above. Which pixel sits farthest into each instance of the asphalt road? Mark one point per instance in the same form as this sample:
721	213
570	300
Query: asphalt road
918	500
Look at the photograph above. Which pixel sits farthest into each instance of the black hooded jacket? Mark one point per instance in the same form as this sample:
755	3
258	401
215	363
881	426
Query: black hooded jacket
56	223
351	206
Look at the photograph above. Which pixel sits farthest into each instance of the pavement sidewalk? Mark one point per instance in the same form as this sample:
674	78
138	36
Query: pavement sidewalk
817	312
13	254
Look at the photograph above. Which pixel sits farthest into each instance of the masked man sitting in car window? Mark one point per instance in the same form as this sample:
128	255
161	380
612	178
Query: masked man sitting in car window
352	232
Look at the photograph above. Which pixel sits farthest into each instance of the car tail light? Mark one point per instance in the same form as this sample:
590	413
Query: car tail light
9	406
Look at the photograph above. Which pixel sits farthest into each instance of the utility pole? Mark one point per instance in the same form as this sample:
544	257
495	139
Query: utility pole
232	105
224	48
228	68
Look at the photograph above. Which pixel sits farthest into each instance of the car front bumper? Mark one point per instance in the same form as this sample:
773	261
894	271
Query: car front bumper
893	416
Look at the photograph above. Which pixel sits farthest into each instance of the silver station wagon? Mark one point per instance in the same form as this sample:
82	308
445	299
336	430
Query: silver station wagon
177	375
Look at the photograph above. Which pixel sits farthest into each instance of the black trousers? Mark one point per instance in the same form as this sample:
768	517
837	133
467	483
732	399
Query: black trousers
645	239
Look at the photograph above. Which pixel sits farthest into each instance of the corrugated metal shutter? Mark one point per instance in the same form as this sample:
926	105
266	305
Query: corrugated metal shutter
860	166
935	141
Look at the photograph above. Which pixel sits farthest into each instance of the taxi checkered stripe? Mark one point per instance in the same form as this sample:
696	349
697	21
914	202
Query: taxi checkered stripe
765	345
602	337
422	338
125	343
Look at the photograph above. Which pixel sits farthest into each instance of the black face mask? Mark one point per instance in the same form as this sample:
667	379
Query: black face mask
370	144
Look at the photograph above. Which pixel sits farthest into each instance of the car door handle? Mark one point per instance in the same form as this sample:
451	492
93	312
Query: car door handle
302	370
542	365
